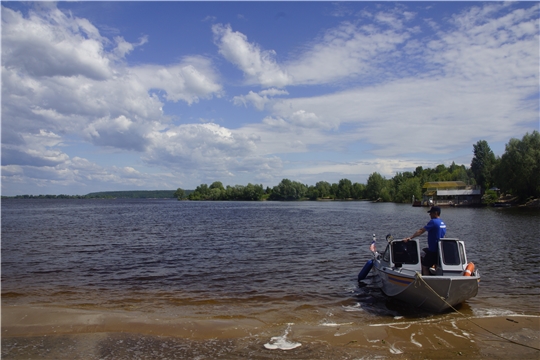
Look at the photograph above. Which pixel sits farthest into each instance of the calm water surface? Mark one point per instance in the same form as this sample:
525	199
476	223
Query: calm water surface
274	261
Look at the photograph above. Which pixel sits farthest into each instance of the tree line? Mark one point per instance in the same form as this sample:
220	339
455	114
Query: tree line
400	188
516	172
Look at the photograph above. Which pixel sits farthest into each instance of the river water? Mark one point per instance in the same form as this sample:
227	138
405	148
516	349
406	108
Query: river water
277	262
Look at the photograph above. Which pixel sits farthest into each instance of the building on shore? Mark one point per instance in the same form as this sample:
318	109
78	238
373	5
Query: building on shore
451	193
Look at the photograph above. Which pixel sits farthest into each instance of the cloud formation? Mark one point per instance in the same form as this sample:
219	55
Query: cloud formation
259	66
383	88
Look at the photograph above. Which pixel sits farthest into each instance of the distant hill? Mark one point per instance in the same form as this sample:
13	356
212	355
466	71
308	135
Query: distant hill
133	194
136	194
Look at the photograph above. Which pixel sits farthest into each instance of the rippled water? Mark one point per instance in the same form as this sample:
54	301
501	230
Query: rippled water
275	261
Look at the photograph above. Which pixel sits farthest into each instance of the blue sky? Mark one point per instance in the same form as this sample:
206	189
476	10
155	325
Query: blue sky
100	96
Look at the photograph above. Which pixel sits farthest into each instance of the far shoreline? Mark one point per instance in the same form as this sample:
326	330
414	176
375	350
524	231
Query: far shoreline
513	203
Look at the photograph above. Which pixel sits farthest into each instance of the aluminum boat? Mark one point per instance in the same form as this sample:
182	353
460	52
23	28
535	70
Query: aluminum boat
399	273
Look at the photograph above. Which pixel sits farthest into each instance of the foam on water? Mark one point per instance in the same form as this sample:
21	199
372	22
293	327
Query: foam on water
414	341
357	307
336	324
281	342
493	312
395	350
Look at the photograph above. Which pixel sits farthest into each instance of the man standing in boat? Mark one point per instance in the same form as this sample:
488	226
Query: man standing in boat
436	229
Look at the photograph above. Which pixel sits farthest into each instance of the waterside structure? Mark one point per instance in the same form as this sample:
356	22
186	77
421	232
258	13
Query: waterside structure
450	193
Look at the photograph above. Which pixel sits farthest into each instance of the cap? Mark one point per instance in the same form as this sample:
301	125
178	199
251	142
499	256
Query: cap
435	209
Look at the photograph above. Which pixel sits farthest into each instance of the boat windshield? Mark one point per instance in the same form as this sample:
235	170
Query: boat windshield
404	252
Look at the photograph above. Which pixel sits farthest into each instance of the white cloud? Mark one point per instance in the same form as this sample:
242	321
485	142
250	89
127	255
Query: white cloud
34	149
259	66
58	75
189	80
52	45
395	94
260	99
197	145
209	151
299	118
485	75
123	47
394	18
120	132
344	52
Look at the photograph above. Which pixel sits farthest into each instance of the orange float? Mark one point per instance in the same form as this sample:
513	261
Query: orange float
469	269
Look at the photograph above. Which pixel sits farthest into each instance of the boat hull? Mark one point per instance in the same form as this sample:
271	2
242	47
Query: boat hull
432	293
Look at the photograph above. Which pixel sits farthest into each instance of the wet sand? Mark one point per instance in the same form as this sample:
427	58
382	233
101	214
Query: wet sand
31	332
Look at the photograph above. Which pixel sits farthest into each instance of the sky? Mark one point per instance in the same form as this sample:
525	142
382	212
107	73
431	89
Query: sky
109	96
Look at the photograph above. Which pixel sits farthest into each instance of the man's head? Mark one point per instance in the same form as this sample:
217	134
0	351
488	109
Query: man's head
435	211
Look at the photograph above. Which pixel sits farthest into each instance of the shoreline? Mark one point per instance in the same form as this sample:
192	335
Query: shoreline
52	332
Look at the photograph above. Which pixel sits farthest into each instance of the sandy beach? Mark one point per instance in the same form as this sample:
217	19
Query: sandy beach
44	332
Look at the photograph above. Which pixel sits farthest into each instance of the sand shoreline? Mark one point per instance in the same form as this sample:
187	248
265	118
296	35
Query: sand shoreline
52	332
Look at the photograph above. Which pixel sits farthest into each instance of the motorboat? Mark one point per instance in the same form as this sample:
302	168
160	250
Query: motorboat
398	271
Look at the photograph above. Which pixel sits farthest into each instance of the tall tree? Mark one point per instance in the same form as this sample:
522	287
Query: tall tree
519	167
375	185
482	164
217	185
344	189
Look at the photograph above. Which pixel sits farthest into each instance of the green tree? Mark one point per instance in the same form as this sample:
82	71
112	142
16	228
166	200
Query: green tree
344	190
386	194
490	197
312	193
358	191
519	167
289	190
202	192
252	192
407	189
482	164
216	194
217	185
334	190
375	185
459	173
179	194
323	188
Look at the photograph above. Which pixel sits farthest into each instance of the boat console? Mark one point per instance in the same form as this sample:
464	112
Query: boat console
401	255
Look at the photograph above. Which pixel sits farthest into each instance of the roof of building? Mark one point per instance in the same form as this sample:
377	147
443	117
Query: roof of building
444	184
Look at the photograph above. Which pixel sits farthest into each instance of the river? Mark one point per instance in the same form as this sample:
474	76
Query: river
274	262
